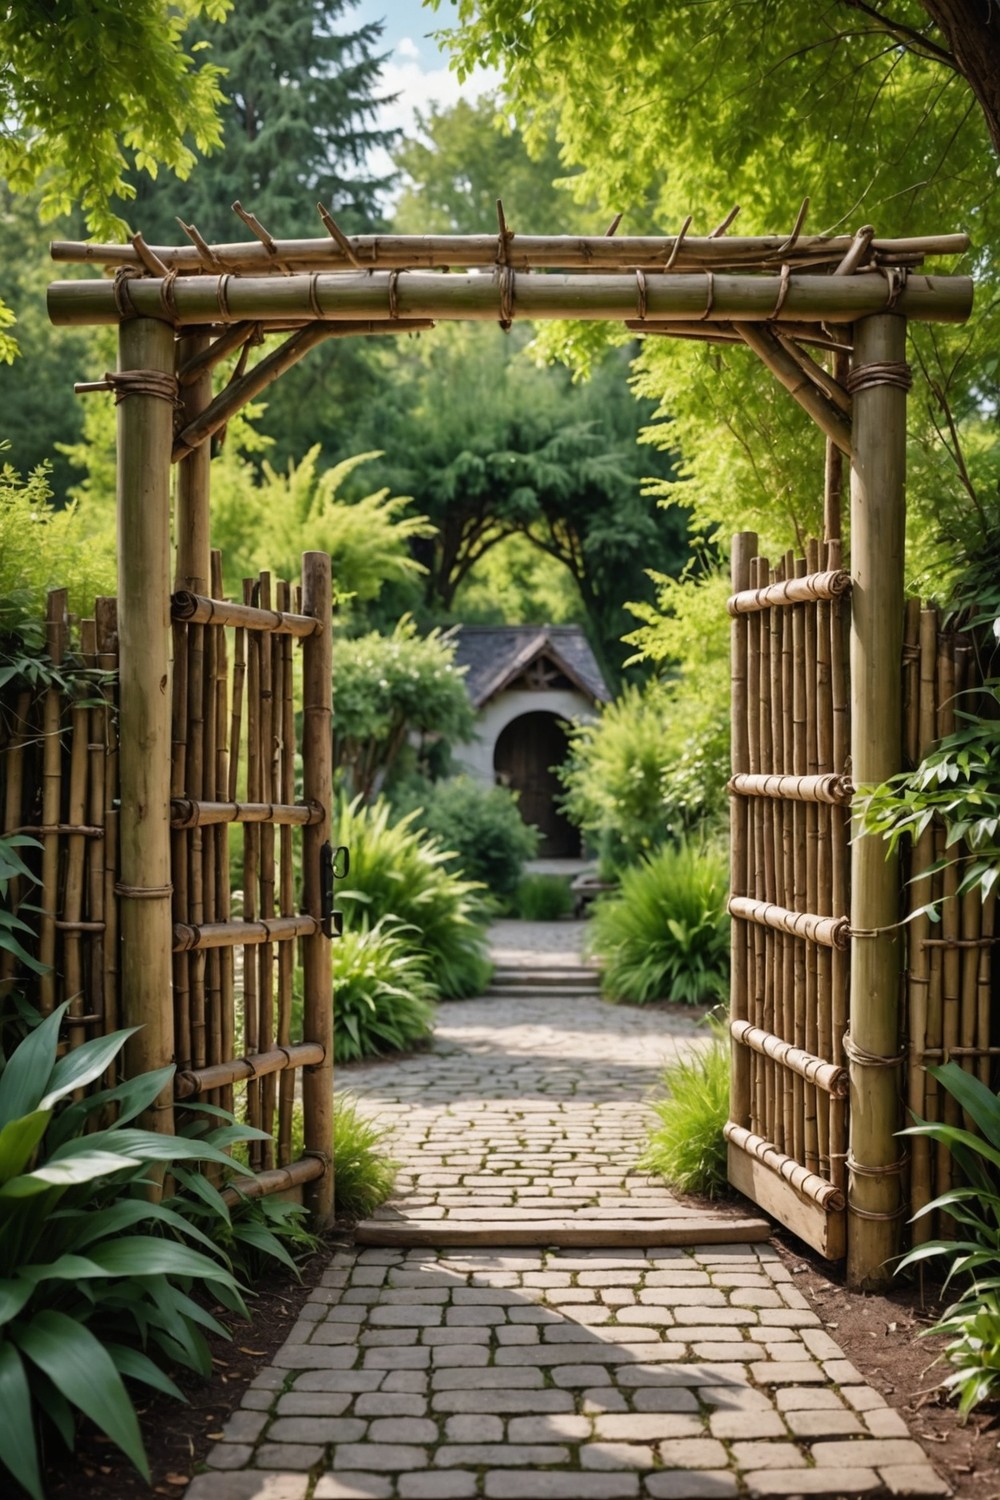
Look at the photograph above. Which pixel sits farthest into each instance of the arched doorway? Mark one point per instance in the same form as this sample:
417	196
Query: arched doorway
526	752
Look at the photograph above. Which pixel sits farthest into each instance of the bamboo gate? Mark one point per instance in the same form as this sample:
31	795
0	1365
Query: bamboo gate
807	305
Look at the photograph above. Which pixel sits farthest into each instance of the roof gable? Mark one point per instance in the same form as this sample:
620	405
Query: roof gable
496	656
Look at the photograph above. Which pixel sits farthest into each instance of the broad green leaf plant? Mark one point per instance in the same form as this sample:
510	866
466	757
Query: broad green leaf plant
973	1257
96	1277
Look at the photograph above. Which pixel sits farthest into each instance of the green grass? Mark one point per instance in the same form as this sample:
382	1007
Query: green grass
543	898
363	1170
686	1147
664	935
383	997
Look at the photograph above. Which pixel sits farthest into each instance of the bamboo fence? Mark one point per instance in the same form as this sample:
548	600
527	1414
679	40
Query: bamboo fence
241	1032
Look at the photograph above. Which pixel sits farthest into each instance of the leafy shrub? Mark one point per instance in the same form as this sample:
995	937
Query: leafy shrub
490	839
973	1321
383	997
543	898
43	548
97	1277
387	688
399	871
664	935
687	1147
363	1171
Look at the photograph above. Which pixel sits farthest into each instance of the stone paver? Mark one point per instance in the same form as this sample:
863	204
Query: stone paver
508	1372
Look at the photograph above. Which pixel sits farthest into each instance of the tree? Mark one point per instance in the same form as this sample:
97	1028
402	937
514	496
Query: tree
667	109
297	125
491	446
92	90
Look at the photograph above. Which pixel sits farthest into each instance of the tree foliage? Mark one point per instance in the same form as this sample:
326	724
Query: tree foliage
667	109
298	123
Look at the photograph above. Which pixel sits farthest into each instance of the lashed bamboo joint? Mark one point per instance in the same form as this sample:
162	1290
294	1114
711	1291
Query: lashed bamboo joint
828	788
195	609
830	932
187	813
828	585
202	1081
276	1180
824	1075
242	934
807	1183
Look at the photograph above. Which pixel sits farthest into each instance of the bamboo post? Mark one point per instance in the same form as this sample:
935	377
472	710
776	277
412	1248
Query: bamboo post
193	566
744	547
878	520
106	618
317	784
145	436
55	644
285	718
265	953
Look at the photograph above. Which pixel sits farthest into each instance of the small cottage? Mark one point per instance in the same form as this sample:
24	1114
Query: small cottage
525	682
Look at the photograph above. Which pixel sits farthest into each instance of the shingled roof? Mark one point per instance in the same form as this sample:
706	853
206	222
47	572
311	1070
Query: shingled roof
497	655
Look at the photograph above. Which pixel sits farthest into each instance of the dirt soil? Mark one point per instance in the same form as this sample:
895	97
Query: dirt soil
879	1334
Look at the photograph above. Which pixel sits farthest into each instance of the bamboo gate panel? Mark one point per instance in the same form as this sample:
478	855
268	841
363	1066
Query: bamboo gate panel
790	793
59	787
238	1026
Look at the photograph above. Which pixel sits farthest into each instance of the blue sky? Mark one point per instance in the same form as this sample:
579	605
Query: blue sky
416	69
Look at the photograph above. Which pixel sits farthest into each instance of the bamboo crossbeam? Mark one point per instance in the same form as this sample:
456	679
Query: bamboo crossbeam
832	932
301	1055
524	251
359	296
197	610
807	1184
278	1180
824	1075
237	934
185	812
85	830
827	585
827	788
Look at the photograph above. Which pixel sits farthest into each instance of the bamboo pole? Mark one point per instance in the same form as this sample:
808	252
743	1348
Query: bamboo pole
265	954
223	897
55	644
192	526
984	985
195	786
106	620
805	1182
74	874
282	1060
777	357
95	852
251	866
317	783
813	1129
826	811
210	843
525	251
198	610
286	892
756	857
827	787
743	548
145	431
766	869
878	475
800	589
777	620
360	296
824	1075
951	966
179	845
14	758
839	867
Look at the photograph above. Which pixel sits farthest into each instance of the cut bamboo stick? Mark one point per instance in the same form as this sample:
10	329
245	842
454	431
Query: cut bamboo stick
74	873
788	370
285	787
106	621
800	589
95	802
280	1059
251	864
265	953
828	787
55	645
198	610
923	1014
279	1180
805	1182
766	870
186	813
809	817
833	932
756	851
814	1070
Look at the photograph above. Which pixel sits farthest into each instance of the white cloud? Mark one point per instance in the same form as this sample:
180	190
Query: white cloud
407	47
419	87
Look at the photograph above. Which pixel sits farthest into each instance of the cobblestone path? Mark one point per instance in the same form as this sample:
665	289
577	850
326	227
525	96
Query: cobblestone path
563	1371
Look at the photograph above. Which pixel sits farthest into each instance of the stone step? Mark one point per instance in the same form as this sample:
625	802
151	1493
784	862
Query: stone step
534	979
587	1228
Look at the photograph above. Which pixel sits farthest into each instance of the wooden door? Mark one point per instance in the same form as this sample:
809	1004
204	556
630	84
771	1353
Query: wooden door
527	752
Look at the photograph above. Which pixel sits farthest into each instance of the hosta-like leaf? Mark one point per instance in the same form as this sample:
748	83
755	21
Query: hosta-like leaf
130	1098
82	1370
25	1078
979	1102
13	1296
135	1365
85	1167
141	1255
83	1064
18	1453
18	1139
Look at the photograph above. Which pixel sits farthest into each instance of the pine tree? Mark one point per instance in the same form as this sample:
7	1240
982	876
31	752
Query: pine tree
298	126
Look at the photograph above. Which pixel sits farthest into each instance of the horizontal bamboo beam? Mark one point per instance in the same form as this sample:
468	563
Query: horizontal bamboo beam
185	812
828	788
829	932
357	296
194	609
277	1180
798	383
257	1065
806	1183
242	934
824	1075
523	251
725	333
84	830
803	590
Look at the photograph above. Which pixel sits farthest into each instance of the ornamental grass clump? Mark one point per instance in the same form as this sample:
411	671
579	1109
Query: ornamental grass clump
686	1147
383	994
398	871
664	935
